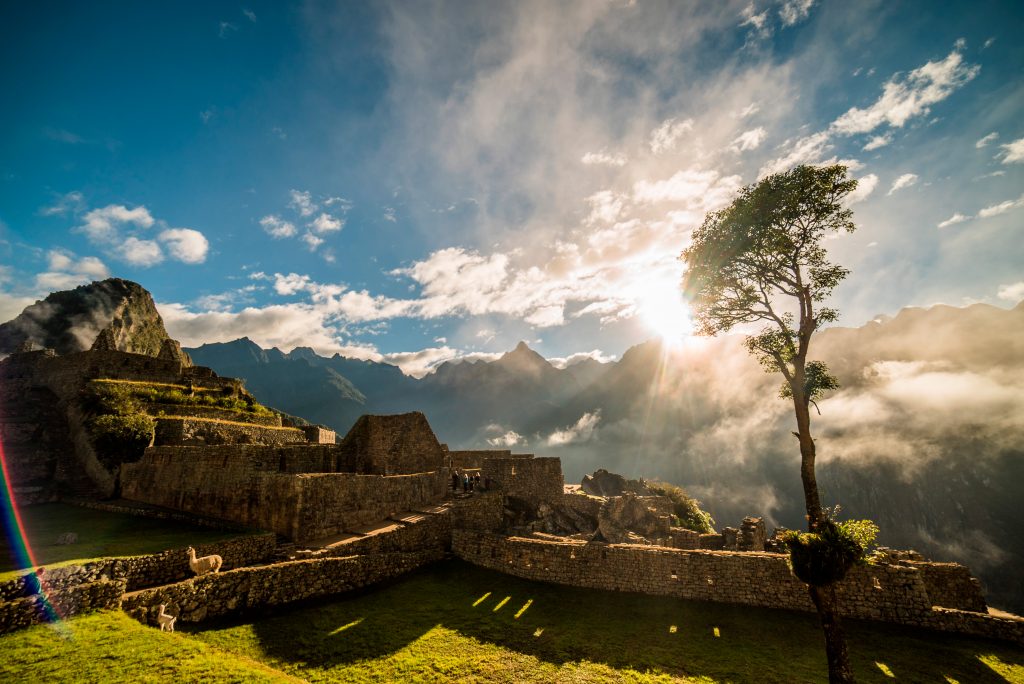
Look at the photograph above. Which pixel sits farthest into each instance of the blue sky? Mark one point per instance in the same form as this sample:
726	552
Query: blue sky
423	181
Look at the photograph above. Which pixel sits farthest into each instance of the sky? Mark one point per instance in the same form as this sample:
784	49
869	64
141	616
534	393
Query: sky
415	182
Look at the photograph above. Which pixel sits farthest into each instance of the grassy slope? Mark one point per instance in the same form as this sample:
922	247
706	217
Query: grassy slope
111	647
100	533
427	628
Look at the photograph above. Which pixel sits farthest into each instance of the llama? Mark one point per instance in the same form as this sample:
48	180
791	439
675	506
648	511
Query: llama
203	565
166	621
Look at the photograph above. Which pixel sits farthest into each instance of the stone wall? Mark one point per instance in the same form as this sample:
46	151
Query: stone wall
63	603
266	488
245	589
473	459
954	584
203	431
481	512
413	532
147	570
893	593
391	445
530	479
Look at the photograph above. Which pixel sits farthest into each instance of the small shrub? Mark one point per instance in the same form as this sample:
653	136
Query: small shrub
685	509
121	438
823	557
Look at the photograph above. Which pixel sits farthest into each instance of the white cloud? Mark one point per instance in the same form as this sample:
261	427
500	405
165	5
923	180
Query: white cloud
312	241
758	22
955	218
276	227
291	283
749	110
605	207
509	439
389	214
101	225
66	270
302	202
877	142
1011	292
904	181
1013	153
905	97
991	137
749	140
667	135
573	359
546	316
603	157
794	11
140	252
325	223
865	186
581	431
70	202
806	150
1001	208
698	188
185	244
249	14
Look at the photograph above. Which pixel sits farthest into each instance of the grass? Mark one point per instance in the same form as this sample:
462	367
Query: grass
111	647
455	622
100	534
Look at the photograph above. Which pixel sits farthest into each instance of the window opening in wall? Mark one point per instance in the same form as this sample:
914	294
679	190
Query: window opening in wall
675	575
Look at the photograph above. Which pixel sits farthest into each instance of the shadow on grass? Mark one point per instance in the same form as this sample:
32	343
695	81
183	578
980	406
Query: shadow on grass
561	625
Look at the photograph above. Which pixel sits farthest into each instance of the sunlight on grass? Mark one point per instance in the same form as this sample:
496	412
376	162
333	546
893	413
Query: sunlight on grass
481	599
522	610
344	627
717	633
950	680
885	670
417	630
501	604
672	629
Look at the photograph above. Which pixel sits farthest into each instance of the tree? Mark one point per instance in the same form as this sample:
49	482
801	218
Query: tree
761	261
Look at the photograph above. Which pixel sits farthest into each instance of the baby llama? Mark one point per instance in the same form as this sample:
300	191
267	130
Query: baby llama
203	565
166	621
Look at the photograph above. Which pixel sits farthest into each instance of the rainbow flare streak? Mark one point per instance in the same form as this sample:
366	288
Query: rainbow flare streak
14	527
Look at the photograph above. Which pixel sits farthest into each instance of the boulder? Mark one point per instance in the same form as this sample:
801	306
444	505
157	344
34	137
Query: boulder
624	518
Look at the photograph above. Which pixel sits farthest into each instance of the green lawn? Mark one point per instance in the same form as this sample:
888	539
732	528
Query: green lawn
100	534
455	622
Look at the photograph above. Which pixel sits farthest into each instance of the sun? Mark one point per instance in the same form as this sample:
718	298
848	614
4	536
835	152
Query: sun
661	306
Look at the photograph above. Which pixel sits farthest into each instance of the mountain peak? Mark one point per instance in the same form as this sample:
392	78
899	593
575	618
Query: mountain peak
70	320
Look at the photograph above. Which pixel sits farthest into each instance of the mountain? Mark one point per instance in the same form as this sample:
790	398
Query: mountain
289	382
71	320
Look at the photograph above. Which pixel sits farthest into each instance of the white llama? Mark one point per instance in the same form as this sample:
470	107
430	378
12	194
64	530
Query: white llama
203	565
166	621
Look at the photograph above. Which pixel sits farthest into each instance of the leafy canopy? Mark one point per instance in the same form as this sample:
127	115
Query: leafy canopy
766	246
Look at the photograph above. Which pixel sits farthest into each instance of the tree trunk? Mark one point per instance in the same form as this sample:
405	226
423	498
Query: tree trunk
807	455
839	670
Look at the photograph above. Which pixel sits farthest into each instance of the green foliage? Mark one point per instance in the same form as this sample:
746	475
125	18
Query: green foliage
761	258
685	508
121	438
817	381
823	557
104	398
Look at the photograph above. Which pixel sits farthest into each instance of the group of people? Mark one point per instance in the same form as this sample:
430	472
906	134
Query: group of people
468	482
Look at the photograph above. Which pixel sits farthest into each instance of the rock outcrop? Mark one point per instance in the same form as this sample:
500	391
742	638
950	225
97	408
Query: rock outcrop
70	321
604	483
